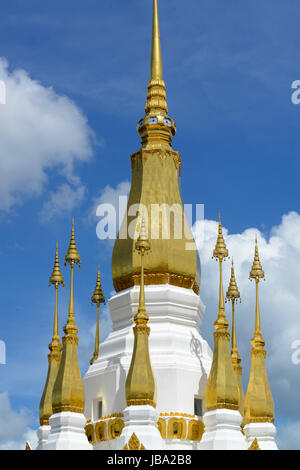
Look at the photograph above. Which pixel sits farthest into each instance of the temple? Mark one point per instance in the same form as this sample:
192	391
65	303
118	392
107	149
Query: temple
154	383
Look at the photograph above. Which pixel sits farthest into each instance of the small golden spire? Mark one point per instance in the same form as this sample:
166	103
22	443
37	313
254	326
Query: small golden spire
259	405
97	298
233	294
140	382
222	390
55	348
68	392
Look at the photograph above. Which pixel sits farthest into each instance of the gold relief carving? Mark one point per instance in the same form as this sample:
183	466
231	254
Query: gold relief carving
73	409
90	433
222	334
100	431
195	430
115	428
177	428
141	329
134	444
254	445
264	419
162	427
142	402
68	339
220	406
157	279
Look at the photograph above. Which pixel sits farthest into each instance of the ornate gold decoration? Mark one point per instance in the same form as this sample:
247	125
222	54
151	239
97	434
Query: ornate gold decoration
222	389
115	428
55	348
195	430
27	447
177	428
90	433
233	295
68	392
259	405
97	298
162	427
140	383
100	427
134	444
254	445
169	261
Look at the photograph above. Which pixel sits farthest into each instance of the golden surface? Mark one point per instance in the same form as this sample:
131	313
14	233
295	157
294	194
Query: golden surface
134	444
259	405
115	428
254	445
68	392
55	348
177	428
233	294
140	383
195	430
97	298
155	180
222	390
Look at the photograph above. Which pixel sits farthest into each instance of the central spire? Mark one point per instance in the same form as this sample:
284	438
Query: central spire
156	126
155	191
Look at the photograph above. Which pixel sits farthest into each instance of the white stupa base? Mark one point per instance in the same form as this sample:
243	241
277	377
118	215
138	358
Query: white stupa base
265	434
180	357
222	431
42	434
67	432
141	420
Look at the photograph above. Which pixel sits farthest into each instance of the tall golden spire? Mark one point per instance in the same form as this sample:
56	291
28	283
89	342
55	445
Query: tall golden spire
259	405
68	392
222	389
140	382
170	262
233	294
97	298
156	126
55	348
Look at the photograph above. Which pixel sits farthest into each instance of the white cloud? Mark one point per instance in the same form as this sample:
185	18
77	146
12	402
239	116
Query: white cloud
15	430
279	302
110	195
63	200
110	220
39	131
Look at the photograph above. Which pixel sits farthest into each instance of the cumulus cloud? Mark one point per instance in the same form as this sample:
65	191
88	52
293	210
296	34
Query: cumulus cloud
110	207
63	200
39	131
15	430
279	302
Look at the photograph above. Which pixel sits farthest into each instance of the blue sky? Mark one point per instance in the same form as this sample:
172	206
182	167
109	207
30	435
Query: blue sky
228	67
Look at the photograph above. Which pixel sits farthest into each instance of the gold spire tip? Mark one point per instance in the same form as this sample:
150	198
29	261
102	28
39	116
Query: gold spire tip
72	255
256	271
56	277
220	251
233	292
